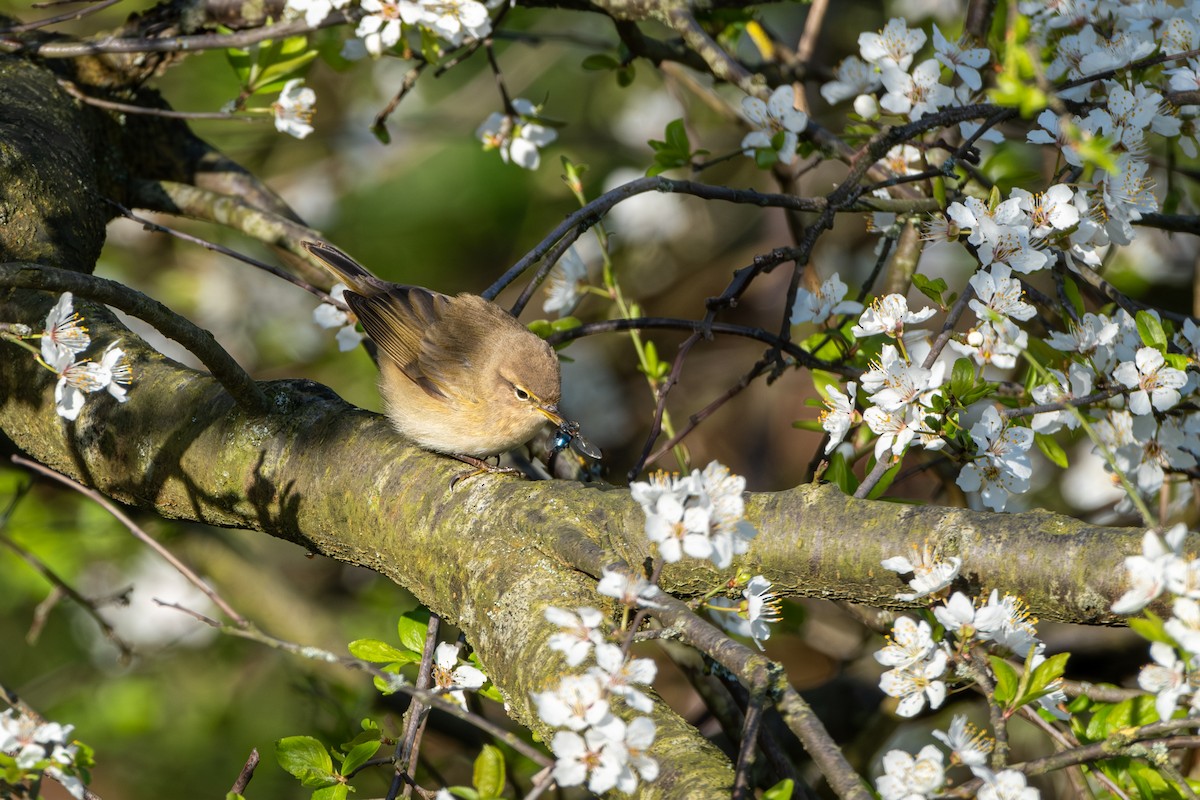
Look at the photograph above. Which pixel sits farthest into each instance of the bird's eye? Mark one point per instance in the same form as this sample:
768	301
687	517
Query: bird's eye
521	393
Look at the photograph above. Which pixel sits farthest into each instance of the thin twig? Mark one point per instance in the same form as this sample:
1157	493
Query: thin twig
138	534
743	787
243	778
418	713
129	108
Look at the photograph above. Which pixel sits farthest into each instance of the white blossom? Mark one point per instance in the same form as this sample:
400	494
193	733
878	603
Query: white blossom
452	678
1166	679
839	414
629	590
1148	571
1155	384
911	641
997	293
827	301
1002	466
778	115
519	136
753	616
578	702
895	45
916	684
917	94
964	61
930	573
580	631
909	778
566	285
64	332
1006	785
618	675
888	315
294	109
852	77
969	746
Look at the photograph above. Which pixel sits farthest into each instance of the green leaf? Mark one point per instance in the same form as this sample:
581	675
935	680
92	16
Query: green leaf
933	289
1150	627
488	777
625	75
565	324
307	759
1151	331
1150	784
962	377
780	791
809	425
1046	673
386	686
599	62
379	652
413	627
765	158
1051	449
336	792
359	755
1006	680
822	380
1176	361
840	474
1071	290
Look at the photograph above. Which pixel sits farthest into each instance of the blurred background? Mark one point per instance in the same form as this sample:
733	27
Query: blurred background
432	208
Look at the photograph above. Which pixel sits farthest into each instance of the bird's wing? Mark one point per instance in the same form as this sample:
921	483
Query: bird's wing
454	351
398	320
396	317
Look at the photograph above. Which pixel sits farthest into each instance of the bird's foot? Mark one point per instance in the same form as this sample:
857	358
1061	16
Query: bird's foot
481	468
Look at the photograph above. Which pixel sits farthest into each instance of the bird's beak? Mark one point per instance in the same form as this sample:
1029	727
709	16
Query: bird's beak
551	413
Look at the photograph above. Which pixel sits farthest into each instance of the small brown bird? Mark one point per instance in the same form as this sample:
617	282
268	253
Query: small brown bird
459	375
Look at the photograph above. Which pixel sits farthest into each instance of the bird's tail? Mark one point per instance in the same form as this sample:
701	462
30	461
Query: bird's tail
342	266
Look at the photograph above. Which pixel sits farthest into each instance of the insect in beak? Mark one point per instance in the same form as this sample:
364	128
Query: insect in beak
568	433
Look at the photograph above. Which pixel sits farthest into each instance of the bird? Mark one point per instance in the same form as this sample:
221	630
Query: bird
458	375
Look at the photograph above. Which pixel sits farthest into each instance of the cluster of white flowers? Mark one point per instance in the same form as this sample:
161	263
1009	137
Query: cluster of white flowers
698	515
597	747
917	665
380	28
912	92
918	661
1131	385
38	745
1164	567
518	136
63	338
906	777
